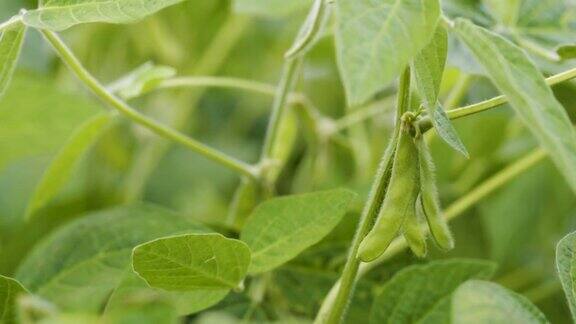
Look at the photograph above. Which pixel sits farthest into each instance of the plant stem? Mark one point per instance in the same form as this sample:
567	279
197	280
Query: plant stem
10	23
425	123
453	211
333	312
149	155
218	82
100	91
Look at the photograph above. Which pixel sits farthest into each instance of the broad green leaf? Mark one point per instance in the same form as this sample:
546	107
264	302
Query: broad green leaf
62	167
428	68
79	265
39	124
565	264
9	291
280	229
413	293
141	80
485	302
270	8
376	40
190	262
62	14
186	303
516	77
11	41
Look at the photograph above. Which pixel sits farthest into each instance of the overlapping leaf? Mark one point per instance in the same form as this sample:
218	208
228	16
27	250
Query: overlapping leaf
485	302
516	77
415	293
11	41
281	228
78	266
376	40
10	289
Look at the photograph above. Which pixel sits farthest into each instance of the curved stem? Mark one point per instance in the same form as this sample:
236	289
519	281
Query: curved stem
453	211
425	123
218	82
333	311
74	64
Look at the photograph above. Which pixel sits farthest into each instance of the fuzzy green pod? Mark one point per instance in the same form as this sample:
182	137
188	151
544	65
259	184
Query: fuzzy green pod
429	202
399	202
414	233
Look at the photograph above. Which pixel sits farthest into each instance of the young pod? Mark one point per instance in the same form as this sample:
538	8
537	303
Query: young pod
429	202
399	202
414	233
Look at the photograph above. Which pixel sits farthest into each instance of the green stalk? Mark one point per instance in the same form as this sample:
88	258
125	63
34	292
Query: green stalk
100	91
218	82
148	157
335	305
425	123
452	212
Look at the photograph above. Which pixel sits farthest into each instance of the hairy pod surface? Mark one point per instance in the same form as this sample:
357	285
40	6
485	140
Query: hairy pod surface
399	202
429	202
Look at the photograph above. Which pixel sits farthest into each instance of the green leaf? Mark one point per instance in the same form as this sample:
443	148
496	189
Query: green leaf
62	14
428	67
141	80
62	166
270	8
376	40
506	12
186	303
516	77
414	292
190	262
310	30
485	302
9	291
39	124
11	41
565	264
79	265
280	229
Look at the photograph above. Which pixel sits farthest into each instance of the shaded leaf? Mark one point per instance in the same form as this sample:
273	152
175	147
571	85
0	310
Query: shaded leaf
9	291
194	261
566	52
11	41
376	40
446	130
516	77
485	302
280	229
79	265
62	167
62	14
413	293
565	262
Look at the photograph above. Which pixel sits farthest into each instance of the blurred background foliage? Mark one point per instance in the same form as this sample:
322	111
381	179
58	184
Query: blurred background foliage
517	226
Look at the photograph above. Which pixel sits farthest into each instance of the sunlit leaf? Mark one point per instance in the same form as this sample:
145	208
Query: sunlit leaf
376	40
485	302
63	14
270	8
280	229
190	262
516	77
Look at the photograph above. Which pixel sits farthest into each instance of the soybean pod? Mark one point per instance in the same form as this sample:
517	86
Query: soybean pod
429	202
414	233
400	199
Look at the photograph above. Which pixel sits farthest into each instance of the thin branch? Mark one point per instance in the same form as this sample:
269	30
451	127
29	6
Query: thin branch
100	91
